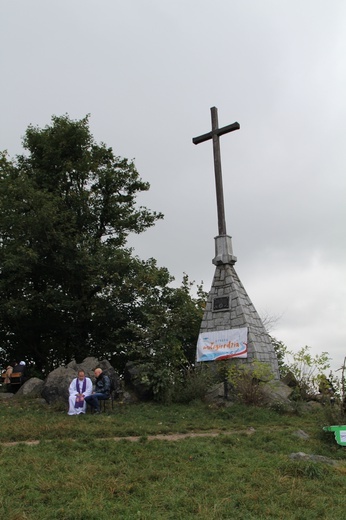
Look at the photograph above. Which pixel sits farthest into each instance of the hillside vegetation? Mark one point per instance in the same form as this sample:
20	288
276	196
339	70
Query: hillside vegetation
90	467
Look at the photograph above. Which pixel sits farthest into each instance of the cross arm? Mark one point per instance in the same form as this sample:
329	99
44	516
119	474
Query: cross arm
218	131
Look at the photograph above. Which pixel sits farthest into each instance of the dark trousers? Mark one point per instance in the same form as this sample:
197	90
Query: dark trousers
94	400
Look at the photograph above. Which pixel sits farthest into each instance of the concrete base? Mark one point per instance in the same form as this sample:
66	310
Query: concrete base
224	251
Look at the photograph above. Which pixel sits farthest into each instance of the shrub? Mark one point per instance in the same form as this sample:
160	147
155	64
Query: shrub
334	413
305	369
246	382
192	384
179	385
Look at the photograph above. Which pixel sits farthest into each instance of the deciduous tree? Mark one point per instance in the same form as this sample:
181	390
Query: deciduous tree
67	207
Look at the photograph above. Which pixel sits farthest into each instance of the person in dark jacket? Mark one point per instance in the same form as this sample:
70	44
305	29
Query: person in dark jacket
101	392
20	367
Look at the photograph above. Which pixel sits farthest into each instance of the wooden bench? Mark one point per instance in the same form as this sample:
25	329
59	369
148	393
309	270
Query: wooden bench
16	378
4	377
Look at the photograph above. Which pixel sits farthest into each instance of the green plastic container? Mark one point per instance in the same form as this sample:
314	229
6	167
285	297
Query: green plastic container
339	433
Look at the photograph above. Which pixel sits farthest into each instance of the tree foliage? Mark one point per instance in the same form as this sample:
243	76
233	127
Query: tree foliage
70	287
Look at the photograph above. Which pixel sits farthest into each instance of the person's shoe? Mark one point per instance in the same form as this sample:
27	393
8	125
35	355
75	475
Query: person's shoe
98	412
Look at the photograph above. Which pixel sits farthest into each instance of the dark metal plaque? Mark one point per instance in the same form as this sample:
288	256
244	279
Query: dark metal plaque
221	303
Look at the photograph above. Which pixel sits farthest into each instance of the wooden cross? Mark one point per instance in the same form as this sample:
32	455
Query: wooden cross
215	134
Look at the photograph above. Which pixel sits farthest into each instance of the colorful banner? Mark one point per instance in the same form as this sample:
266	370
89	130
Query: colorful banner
222	344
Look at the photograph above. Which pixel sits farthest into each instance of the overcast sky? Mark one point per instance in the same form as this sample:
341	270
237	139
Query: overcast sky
148	72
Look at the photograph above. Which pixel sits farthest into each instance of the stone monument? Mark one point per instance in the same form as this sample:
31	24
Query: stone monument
229	310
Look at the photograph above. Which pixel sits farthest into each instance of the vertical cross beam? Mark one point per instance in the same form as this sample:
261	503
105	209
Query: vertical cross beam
215	134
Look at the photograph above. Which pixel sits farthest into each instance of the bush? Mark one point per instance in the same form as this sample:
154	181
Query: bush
246	382
192	384
307	371
334	413
167	384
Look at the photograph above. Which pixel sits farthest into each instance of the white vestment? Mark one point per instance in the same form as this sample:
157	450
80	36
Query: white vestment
72	409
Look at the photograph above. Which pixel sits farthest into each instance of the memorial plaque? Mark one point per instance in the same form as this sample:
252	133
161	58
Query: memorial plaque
221	303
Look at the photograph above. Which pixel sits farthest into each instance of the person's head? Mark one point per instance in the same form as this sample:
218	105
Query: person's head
98	372
81	375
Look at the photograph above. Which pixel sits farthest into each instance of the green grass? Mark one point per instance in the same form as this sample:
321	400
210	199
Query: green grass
78	472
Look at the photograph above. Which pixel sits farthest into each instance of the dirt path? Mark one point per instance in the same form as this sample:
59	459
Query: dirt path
136	438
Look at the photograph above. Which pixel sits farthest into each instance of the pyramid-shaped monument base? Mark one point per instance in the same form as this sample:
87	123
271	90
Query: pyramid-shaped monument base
229	307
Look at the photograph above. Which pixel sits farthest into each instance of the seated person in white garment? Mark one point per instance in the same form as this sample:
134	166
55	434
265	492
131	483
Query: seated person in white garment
80	388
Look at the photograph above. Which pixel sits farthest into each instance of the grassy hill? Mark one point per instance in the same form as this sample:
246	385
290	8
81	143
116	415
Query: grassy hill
91	468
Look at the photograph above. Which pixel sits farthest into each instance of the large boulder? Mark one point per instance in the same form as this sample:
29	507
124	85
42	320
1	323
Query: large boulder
57	383
31	388
276	393
90	363
216	393
290	380
6	395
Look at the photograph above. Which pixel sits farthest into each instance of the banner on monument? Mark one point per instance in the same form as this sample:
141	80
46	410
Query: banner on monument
222	344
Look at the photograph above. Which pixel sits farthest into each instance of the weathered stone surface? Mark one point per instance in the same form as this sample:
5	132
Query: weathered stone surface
57	383
129	398
290	380
241	313
31	388
276	395
314	458
276	391
216	393
273	392
6	395
301	434
309	406
88	365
